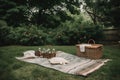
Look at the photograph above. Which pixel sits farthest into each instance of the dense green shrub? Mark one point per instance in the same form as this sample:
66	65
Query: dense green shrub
68	33
4	31
94	32
60	36
16	34
33	36
77	32
27	36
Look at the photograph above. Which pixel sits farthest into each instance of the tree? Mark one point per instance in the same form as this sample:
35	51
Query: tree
50	13
104	11
13	11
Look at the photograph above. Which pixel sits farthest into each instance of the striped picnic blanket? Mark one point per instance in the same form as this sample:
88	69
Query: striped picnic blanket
77	65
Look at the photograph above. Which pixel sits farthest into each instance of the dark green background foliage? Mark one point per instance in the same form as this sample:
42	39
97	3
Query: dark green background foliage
104	11
48	13
41	22
13	12
68	33
4	31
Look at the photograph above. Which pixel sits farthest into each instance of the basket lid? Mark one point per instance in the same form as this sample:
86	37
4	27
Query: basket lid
95	46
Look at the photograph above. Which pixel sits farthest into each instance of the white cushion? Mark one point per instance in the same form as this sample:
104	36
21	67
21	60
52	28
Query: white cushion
29	53
58	60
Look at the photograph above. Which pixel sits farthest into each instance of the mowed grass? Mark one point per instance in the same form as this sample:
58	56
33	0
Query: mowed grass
13	69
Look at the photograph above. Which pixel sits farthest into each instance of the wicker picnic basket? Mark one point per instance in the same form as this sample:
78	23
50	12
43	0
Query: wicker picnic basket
93	52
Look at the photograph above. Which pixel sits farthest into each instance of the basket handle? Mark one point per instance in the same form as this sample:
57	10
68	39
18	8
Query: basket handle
93	41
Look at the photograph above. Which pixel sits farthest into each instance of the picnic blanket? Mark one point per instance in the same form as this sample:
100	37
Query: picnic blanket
77	65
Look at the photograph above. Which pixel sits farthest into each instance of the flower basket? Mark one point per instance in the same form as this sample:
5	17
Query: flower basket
48	55
45	53
93	52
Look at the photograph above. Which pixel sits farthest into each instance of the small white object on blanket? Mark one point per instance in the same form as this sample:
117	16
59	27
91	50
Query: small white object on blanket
82	47
58	60
29	53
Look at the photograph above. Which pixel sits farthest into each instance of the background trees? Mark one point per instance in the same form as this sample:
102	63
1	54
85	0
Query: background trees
13	12
49	13
104	11
51	16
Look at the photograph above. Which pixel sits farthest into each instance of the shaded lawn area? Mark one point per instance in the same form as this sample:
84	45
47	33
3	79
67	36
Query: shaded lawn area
12	69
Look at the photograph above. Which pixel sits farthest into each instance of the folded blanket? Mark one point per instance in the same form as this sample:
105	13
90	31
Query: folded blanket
82	47
58	60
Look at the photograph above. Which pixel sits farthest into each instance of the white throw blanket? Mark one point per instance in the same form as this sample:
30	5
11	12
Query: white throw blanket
82	47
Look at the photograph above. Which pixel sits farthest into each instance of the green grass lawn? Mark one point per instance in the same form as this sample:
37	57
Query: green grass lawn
13	69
